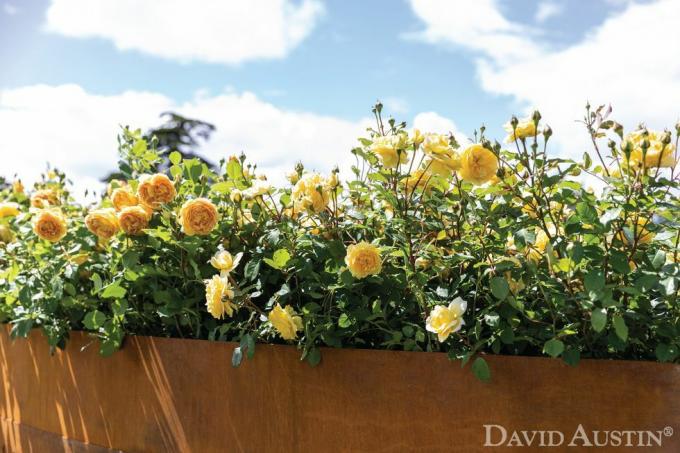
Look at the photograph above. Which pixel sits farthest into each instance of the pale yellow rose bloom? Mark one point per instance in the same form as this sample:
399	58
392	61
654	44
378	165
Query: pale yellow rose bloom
103	223
445	320
198	217
443	164
311	193
363	259
418	179
50	224
285	321
219	297
44	198
525	128
225	262
417	138
293	177
155	190
515	285
640	231
434	144
123	197
477	164
387	148
134	219
258	189
658	154
9	209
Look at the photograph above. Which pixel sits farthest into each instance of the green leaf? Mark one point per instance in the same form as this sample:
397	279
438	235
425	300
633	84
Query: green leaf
598	319
620	327
571	356
344	321
659	259
481	370
279	259
594	280
175	157
119	307
314	357
113	291
666	352
553	347
94	320
252	269
222	187
499	288
236	357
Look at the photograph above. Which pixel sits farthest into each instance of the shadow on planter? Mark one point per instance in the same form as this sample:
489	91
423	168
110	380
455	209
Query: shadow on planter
160	394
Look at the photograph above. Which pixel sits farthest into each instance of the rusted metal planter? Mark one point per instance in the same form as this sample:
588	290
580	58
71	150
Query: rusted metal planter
163	395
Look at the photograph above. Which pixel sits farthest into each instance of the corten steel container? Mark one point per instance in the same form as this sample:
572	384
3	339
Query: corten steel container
164	395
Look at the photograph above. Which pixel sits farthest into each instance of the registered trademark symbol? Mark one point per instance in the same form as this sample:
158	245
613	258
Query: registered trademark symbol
668	431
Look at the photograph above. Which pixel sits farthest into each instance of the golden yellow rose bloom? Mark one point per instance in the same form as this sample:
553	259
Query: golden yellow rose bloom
311	193
658	154
363	259
445	320
198	217
50	224
219	297
155	190
525	128
387	148
225	262
9	209
285	321
443	164
44	198
123	197
477	164
434	144
418	179
102	222
17	187
638	230
133	219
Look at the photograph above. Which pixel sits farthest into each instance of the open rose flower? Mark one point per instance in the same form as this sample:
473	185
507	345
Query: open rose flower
9	209
363	259
133	219
198	217
445	320
311	193
225	262
285	321
156	190
44	198
123	197
103	223
390	151
477	164
525	128
50	224
219	297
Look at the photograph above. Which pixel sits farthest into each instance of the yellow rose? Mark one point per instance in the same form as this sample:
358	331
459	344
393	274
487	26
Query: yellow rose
525	128
235	196
293	177
536	251
103	223
515	285
445	320
387	148
285	321
123	197
155	190
50	224
417	138
225	262
363	259
198	217
134	219
434	144
422	263
477	164
44	198
443	164
219	297
6	235
9	209
419	178
79	259
311	193
258	189
17	187
658	154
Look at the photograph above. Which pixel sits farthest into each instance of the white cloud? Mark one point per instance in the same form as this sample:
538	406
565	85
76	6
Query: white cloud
637	72
434	122
75	131
547	10
396	105
227	32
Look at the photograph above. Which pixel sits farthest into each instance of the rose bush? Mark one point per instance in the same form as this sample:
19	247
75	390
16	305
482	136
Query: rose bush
430	245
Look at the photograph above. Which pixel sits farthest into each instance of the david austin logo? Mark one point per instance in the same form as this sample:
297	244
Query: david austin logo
498	436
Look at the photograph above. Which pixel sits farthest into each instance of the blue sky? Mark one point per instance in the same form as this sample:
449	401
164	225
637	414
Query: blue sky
465	62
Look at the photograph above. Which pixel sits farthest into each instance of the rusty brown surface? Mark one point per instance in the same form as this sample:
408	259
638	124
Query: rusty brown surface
161	395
